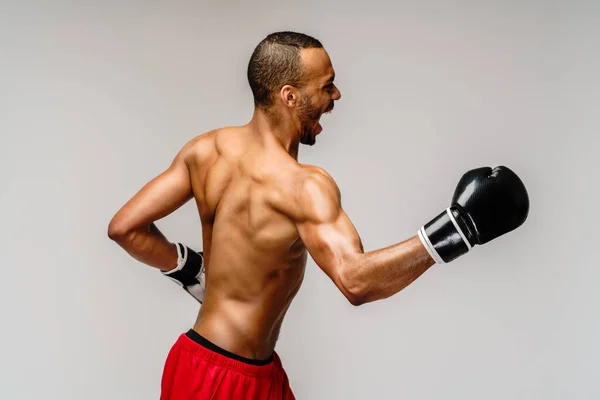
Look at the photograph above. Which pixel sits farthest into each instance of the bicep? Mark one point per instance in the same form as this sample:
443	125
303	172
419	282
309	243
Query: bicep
332	244
158	198
327	232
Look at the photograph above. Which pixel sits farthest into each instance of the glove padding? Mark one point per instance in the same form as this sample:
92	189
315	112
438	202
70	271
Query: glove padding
487	203
190	273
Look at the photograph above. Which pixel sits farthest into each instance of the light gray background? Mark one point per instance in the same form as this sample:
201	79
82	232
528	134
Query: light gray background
97	97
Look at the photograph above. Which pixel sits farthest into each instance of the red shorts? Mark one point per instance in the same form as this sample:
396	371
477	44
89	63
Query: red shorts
198	369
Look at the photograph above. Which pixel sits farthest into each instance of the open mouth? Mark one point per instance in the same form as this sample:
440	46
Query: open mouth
327	111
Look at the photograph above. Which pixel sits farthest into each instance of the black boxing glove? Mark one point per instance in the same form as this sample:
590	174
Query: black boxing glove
487	203
189	273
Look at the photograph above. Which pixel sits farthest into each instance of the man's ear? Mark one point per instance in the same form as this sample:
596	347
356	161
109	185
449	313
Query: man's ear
289	95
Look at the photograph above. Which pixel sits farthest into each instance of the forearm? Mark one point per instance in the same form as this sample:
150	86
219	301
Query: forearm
149	246
379	274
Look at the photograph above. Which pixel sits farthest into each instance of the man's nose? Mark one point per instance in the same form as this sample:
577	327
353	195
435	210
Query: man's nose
336	94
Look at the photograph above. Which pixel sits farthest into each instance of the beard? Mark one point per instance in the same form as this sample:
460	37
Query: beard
309	115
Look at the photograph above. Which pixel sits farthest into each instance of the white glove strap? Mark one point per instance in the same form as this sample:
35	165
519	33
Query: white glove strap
429	247
182	253
460	232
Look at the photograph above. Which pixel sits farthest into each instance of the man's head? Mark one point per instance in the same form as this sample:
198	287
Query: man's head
291	76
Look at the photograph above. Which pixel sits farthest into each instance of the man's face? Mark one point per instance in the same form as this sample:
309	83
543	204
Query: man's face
317	96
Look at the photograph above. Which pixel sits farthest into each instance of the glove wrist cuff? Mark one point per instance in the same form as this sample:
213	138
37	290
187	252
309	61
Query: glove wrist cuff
182	258
444	238
189	272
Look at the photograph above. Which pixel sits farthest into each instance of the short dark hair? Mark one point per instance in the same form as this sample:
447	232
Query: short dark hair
276	62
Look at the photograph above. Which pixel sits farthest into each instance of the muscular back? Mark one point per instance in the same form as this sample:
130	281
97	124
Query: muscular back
246	193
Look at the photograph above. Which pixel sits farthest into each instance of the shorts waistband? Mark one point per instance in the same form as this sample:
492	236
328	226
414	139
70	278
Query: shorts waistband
193	342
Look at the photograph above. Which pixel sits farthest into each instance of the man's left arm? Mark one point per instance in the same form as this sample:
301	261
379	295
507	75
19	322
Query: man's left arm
133	226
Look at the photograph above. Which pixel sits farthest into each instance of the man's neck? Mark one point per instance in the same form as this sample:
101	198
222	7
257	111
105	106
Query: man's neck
276	129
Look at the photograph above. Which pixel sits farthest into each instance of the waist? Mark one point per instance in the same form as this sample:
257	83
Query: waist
207	344
239	335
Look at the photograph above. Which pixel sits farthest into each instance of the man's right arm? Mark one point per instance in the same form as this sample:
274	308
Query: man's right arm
334	244
487	203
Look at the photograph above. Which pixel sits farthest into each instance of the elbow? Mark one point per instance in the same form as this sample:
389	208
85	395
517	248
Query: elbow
356	300
353	288
117	231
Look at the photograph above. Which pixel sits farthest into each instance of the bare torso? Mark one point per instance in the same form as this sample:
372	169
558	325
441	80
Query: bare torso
245	190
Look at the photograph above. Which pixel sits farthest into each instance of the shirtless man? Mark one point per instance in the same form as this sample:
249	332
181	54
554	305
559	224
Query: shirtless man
261	211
